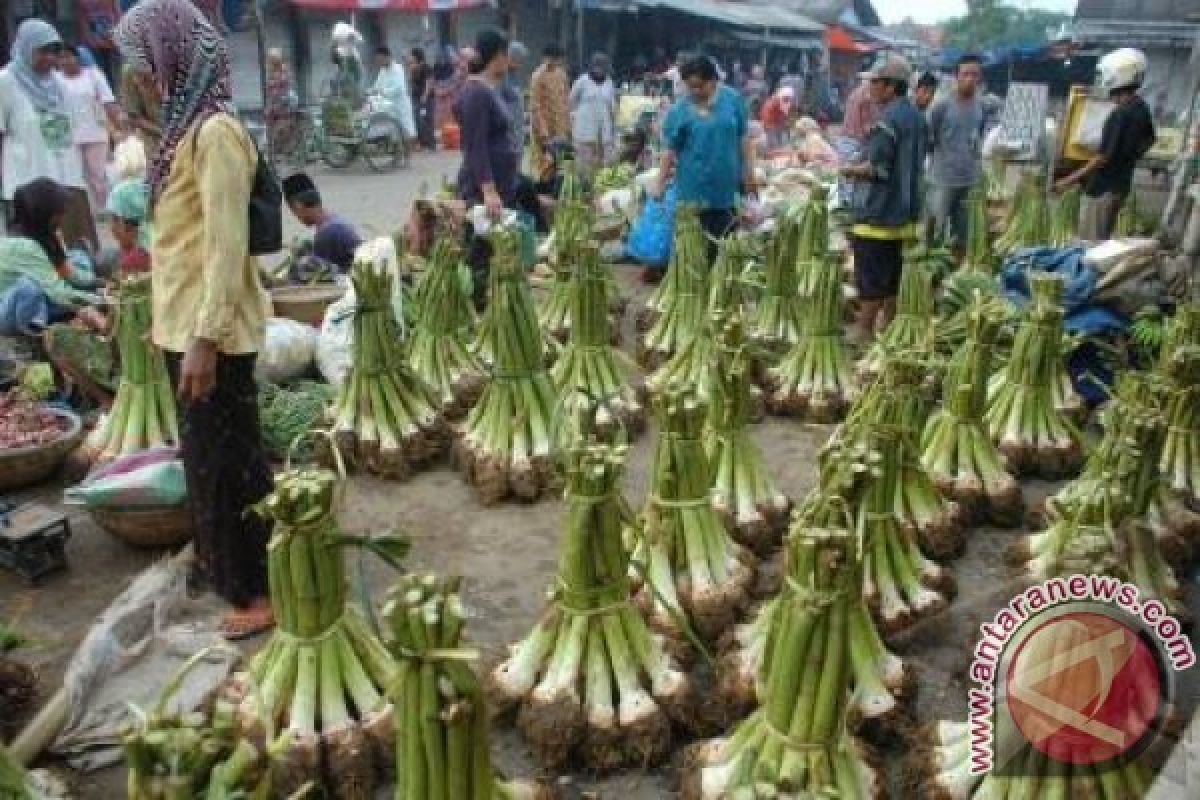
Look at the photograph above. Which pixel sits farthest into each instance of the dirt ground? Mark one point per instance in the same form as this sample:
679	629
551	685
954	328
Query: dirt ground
507	554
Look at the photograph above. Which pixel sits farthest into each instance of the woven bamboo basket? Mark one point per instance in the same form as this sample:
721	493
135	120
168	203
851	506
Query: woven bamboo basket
28	466
168	526
305	304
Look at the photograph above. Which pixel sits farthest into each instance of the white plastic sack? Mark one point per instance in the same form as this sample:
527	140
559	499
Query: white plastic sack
288	350
129	159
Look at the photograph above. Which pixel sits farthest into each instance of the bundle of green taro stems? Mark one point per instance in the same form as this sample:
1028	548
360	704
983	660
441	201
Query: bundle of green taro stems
744	496
913	327
1023	419
322	677
181	755
676	311
957	452
507	444
974	282
897	504
1098	522
1179	368
592	683
883	686
694	363
797	743
691	574
443	726
384	414
814	380
143	414
812	255
779	315
1064	221
1029	222
591	375
439	350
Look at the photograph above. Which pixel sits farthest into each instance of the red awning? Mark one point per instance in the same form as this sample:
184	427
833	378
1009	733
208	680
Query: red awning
417	6
838	38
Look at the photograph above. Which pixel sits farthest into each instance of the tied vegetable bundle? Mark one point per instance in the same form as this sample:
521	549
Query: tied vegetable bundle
384	414
883	687
912	329
689	566
957	452
322	675
506	445
443	738
812	256
439	351
1028	224
1064	226
143	413
814	379
589	375
179	756
897	401
1101	522
743	495
797	744
974	282
1180	366
941	769
591	681
779	315
1031	432
676	313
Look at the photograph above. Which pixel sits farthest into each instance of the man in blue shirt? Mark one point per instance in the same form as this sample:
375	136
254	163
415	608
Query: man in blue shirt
709	150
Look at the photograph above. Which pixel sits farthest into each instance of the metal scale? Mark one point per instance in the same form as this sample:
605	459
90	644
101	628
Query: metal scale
33	540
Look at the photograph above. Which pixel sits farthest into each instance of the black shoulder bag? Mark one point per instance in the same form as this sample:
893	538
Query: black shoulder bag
265	209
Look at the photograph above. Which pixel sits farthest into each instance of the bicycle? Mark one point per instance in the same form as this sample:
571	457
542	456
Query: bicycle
343	134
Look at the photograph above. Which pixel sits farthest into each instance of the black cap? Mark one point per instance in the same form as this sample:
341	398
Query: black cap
299	184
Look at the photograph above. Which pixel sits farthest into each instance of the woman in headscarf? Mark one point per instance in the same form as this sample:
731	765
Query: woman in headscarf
210	308
35	127
280	110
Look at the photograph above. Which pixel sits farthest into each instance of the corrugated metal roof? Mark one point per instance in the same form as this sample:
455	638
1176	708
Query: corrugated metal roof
740	14
1135	33
1143	10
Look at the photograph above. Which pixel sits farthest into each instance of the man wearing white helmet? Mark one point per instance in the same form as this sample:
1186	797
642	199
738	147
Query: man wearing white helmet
1128	135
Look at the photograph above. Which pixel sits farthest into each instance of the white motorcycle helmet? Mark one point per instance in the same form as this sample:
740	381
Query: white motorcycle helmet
1121	69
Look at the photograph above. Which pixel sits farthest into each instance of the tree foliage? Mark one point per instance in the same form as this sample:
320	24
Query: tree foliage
991	23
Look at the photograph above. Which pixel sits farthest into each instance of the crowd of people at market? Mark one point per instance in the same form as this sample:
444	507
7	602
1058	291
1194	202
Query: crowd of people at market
908	151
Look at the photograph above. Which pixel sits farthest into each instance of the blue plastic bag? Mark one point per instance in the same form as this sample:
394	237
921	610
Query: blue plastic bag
653	233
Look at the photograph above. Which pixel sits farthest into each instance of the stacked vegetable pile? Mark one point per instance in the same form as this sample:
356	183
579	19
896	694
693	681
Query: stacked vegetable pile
506	445
688	562
287	414
1064	225
1178	364
796	744
439	350
591	681
943	764
172	755
1029	223
814	379
1098	522
743	495
384	413
143	413
26	422
812	254
957	451
588	375
912	329
444	736
1031	432
323	674
779	315
675	313
884	688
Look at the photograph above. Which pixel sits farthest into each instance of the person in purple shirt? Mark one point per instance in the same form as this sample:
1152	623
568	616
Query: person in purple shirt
334	239
490	161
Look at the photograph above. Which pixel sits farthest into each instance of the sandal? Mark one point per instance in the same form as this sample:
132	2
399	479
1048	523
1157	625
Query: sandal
245	624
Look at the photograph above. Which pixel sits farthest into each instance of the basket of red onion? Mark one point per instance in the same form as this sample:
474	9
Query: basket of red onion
35	439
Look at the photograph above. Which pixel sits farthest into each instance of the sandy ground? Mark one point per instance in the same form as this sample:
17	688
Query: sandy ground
507	554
